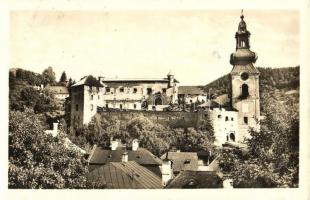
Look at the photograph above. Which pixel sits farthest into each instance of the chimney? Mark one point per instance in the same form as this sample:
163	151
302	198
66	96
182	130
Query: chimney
125	156
55	129
114	144
166	170
135	145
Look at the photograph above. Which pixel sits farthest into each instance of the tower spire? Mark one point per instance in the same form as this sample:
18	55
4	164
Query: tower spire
241	14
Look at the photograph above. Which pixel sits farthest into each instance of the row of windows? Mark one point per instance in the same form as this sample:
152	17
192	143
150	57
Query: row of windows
121	106
135	90
226	118
245	119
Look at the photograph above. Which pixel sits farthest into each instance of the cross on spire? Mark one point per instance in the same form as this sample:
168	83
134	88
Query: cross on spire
242	14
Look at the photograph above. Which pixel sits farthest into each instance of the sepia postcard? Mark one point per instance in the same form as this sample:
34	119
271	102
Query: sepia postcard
160	100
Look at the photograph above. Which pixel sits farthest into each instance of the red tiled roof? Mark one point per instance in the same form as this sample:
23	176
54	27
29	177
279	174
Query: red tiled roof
125	175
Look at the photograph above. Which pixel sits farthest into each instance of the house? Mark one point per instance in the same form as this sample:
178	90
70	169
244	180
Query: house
125	175
192	94
100	156
182	161
60	92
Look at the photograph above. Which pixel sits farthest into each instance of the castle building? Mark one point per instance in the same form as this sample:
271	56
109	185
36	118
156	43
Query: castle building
235	114
245	82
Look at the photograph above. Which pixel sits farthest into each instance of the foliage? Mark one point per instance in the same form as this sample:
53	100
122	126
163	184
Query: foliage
29	77
272	159
48	76
92	81
153	136
63	77
38	160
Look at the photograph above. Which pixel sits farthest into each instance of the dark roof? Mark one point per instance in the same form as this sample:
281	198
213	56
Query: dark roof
196	179
191	90
58	89
182	160
125	175
89	81
238	69
142	156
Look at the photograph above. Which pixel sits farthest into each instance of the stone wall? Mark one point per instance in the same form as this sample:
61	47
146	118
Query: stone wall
172	119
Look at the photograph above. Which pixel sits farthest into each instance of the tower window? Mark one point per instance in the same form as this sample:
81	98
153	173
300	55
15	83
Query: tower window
149	91
226	118
135	90
244	91
121	89
219	116
245	119
77	107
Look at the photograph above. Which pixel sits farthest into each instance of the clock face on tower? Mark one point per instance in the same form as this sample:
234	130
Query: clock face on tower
244	76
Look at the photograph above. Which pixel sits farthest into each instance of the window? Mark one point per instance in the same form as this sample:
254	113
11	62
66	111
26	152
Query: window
107	89
244	90
91	107
226	118
134	106
121	106
219	116
121	89
149	91
164	90
245	119
107	105
232	119
98	96
135	90
91	97
244	76
77	107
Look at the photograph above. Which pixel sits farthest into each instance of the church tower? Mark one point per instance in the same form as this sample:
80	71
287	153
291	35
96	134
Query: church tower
244	82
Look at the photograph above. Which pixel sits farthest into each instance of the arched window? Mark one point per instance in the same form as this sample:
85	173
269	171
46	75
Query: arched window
244	90
232	137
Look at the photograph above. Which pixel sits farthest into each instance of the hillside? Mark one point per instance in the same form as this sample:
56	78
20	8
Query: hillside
281	84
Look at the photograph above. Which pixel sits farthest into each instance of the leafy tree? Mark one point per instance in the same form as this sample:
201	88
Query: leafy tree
39	160
63	77
48	76
272	159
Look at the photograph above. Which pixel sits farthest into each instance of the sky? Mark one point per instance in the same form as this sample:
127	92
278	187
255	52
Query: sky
194	44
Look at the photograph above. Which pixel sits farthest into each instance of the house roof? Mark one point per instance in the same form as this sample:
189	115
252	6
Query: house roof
58	89
182	160
89	81
196	179
107	80
125	175
191	90
142	156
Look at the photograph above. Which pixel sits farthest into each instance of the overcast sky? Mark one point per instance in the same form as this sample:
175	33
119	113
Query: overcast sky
195	45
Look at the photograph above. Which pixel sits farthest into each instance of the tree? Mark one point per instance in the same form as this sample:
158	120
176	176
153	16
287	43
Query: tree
48	76
63	77
272	159
39	160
